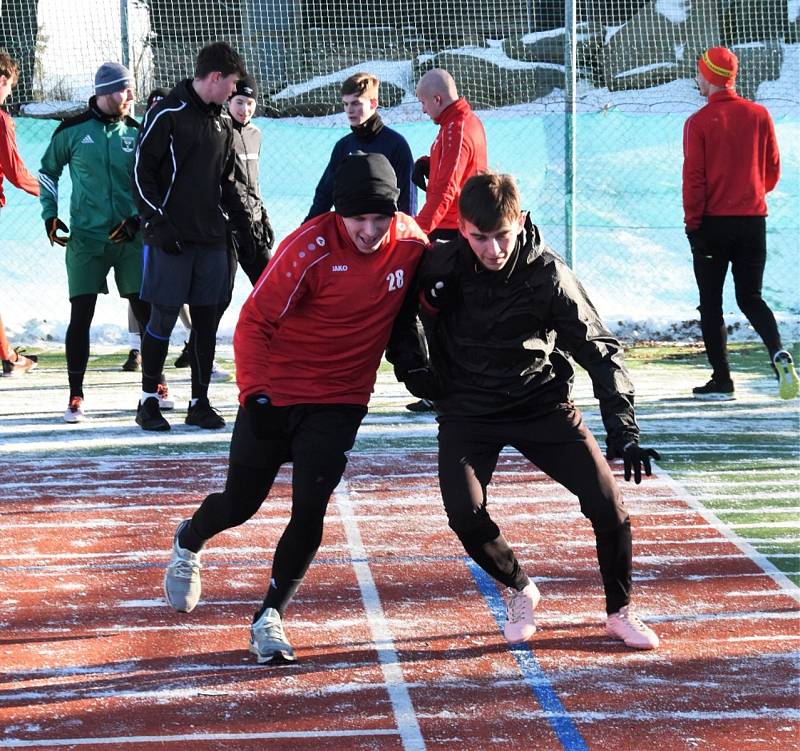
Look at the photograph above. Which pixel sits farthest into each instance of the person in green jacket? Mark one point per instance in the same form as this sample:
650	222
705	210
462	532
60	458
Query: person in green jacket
99	146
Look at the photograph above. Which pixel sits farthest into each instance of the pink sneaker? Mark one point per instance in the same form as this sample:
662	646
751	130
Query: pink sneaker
520	625
626	626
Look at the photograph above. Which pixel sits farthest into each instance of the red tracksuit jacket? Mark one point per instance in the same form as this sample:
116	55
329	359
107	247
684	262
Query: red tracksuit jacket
457	153
11	165
316	325
730	159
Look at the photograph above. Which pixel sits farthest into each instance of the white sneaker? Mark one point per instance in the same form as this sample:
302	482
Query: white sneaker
74	412
268	641
219	374
626	626
520	625
182	577
164	402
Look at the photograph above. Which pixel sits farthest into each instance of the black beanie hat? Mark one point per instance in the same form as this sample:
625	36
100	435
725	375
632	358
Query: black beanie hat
365	184
246	87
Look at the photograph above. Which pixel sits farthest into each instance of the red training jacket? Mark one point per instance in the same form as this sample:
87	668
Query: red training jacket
11	165
457	153
316	325
730	159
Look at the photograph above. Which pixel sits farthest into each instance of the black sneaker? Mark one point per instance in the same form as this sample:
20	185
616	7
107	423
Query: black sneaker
183	357
149	416
715	391
423	405
134	361
203	415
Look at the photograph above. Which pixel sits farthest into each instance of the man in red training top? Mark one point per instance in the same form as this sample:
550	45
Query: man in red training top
13	168
457	153
307	347
730	163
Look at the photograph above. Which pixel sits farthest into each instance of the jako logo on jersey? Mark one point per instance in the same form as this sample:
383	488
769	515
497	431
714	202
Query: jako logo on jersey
340	267
87	139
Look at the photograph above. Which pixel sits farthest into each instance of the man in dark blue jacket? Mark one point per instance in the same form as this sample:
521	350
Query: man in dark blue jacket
370	135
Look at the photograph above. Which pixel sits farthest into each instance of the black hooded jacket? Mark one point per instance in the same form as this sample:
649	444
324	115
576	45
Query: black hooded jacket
500	344
247	146
184	168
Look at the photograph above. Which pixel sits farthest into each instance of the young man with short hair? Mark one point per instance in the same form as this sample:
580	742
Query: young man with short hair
308	346
13	168
502	300
247	146
99	147
183	178
370	135
731	162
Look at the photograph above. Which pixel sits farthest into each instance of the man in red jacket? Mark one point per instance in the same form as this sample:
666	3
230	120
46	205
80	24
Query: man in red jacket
307	346
457	153
731	162
12	167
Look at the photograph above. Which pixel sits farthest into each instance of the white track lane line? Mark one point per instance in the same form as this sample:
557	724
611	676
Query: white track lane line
403	709
769	568
190	738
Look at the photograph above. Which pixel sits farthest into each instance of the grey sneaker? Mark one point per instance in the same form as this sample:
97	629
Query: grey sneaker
268	642
182	577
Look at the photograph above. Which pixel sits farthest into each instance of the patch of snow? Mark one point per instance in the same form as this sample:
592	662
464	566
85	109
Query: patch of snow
676	11
644	69
498	57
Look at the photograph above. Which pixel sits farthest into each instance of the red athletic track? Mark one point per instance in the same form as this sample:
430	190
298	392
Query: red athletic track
89	650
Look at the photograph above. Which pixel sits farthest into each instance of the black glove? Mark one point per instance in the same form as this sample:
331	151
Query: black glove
424	383
244	245
52	226
634	458
421	172
125	231
269	233
266	420
160	232
697	242
440	291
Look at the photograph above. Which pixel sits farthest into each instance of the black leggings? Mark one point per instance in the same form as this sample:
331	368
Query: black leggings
77	338
315	438
560	444
202	344
738	241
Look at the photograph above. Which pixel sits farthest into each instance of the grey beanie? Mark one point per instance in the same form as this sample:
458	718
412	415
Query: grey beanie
111	77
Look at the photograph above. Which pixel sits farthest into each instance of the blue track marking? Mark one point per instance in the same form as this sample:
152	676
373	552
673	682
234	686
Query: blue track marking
531	670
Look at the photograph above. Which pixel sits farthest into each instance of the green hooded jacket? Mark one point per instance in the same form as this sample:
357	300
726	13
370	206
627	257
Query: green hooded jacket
100	151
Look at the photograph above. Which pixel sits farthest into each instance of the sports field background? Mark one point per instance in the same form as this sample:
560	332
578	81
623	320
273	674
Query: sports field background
740	459
398	637
631	251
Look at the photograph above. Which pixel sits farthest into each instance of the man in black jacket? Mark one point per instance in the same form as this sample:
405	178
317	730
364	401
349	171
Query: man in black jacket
183	182
247	147
502	298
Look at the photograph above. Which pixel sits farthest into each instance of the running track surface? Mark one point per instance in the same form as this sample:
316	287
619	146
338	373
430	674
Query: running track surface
399	638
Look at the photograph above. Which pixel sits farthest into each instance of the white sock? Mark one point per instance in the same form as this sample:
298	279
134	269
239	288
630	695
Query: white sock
145	396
